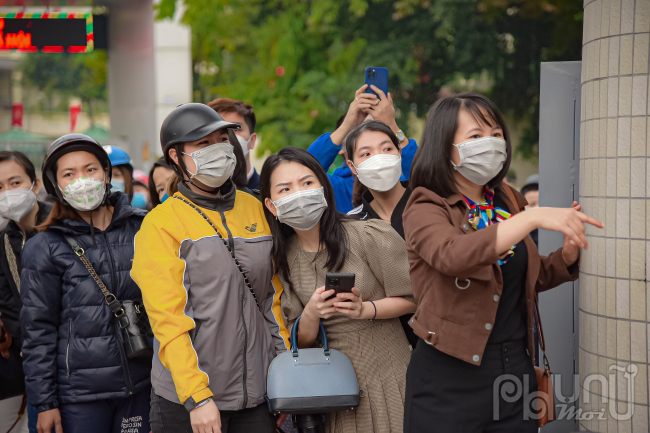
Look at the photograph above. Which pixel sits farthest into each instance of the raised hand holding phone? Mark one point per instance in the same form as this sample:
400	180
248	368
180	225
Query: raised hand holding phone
384	110
378	77
356	114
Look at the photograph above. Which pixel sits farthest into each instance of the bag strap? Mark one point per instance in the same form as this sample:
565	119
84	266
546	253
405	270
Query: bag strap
538	318
112	302
21	412
227	245
540	333
11	259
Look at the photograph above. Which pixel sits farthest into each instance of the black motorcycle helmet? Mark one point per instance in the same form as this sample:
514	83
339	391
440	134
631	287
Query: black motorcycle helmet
66	144
190	122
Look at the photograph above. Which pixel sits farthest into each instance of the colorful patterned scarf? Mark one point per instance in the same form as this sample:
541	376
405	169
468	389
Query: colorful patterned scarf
485	214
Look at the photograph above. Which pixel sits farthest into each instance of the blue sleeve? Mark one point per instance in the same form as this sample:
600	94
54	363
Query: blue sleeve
324	150
40	292
342	182
408	153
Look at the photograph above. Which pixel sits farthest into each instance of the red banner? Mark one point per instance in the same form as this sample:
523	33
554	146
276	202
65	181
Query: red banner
74	109
17	111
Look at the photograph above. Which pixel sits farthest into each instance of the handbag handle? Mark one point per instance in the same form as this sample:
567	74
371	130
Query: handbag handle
294	338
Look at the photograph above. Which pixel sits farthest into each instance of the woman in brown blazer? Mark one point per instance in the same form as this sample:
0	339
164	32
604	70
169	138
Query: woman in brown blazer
475	274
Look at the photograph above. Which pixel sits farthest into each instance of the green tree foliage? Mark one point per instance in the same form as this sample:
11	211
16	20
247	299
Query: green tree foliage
80	75
298	62
542	31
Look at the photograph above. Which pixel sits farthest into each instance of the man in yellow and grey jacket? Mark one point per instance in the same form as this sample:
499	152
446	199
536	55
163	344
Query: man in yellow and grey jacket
195	257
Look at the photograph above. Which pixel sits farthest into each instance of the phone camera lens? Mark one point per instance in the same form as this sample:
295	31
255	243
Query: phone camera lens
374	74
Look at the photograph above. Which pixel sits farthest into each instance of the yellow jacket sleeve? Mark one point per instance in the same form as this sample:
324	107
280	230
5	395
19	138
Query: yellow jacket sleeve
159	272
281	335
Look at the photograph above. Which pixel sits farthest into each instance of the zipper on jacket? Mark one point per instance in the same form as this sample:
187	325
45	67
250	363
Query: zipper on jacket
67	351
125	362
245	350
243	317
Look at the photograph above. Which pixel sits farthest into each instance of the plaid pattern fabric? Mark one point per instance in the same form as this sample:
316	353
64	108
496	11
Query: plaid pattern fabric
378	350
484	214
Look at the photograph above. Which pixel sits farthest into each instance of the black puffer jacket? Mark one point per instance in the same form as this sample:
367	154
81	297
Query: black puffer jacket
72	348
10	304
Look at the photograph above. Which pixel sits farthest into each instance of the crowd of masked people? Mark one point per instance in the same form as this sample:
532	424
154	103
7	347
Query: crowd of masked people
132	304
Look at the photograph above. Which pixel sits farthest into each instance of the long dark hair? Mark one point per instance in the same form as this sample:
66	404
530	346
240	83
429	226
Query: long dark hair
333	236
432	167
20	159
350	143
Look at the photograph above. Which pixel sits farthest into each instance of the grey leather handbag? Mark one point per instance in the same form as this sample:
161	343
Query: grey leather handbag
310	381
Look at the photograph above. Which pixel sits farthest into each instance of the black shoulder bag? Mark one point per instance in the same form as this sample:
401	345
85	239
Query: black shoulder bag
130	315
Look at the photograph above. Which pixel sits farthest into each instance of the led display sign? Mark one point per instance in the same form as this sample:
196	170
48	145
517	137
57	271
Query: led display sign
48	32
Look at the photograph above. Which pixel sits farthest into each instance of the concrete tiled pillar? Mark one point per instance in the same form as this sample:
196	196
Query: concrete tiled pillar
615	188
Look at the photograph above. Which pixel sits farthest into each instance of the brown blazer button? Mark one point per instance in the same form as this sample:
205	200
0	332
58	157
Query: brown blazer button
475	358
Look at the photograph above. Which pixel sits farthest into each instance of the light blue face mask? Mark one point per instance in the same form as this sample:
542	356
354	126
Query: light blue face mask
139	201
117	185
164	197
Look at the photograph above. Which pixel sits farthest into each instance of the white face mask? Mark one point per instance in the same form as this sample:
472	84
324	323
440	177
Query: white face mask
481	159
301	210
244	144
380	172
85	193
16	203
215	164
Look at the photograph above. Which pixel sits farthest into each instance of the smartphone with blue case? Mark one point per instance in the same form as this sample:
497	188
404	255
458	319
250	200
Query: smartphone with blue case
378	77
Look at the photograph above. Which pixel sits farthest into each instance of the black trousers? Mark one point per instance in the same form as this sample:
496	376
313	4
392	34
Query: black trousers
169	417
445	394
116	415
